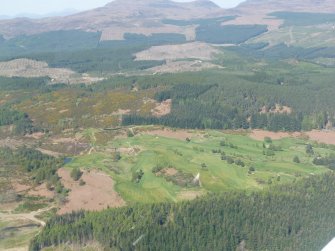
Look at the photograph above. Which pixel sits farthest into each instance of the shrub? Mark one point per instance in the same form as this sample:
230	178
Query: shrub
239	163
204	166
230	160
309	149
137	176
82	183
76	174
296	159
116	156
157	169
252	169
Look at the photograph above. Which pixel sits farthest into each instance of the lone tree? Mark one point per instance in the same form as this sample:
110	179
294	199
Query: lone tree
309	149
76	174
137	176
296	159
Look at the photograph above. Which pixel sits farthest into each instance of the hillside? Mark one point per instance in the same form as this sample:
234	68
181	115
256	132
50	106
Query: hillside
266	6
190	125
119	16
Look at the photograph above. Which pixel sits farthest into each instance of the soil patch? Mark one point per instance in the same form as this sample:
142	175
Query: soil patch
41	191
51	153
183	66
36	135
178	134
196	50
167	172
162	109
261	134
11	143
277	110
121	112
97	194
259	18
327	137
31	68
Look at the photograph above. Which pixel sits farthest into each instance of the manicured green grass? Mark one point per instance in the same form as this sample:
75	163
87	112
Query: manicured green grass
188	157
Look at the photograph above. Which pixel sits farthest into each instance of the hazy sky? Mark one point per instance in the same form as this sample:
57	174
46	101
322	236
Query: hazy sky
15	7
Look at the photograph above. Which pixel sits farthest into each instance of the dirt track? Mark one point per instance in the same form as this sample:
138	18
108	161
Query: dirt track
26	216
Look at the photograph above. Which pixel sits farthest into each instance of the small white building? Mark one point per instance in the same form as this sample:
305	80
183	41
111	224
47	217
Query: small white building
330	246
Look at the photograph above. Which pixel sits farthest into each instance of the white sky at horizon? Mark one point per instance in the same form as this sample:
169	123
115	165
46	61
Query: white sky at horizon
41	7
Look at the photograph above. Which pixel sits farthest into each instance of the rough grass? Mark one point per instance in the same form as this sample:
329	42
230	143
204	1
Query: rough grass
68	108
310	36
16	238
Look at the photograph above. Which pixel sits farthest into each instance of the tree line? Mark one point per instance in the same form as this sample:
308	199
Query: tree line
297	216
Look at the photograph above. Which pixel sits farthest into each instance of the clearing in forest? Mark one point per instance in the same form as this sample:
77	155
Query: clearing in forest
98	193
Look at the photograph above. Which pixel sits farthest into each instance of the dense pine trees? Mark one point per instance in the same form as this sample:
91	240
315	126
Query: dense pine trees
296	217
23	124
42	167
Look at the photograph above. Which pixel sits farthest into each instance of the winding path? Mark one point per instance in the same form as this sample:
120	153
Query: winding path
27	216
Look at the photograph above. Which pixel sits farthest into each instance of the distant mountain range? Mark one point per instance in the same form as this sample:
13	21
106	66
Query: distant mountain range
147	17
62	13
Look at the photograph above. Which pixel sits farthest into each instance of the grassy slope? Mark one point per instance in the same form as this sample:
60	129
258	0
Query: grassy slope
302	36
219	176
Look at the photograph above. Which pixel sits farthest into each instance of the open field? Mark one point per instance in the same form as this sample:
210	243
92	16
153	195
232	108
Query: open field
170	163
303	36
31	69
97	194
196	50
117	33
16	234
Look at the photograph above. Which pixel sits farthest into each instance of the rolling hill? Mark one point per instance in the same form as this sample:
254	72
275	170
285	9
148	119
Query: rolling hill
147	104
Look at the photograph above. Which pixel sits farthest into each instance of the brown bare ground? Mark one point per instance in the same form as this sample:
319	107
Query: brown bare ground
97	194
36	135
117	33
183	66
64	140
261	18
22	187
19	187
327	137
196	50
121	112
41	191
48	152
30	68
168	172
261	134
129	151
278	110
63	111
178	134
162	109
11	143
